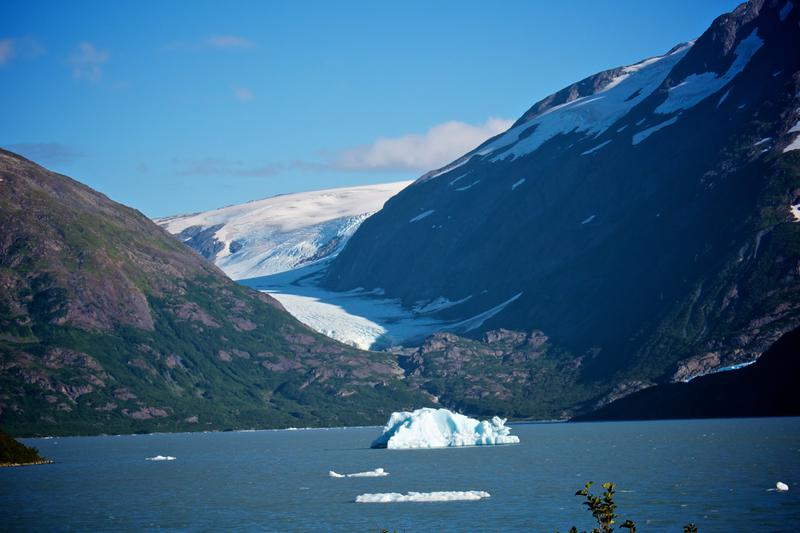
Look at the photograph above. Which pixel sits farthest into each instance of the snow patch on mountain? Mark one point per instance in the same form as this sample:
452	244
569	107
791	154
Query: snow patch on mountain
282	232
591	114
697	87
795	144
422	215
437	304
795	212
785	10
596	148
644	134
468	187
724	97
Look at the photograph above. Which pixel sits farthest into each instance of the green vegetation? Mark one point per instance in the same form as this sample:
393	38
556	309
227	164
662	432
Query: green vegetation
603	509
13	453
110	325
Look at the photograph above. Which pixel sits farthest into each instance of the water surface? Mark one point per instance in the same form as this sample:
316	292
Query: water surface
713	472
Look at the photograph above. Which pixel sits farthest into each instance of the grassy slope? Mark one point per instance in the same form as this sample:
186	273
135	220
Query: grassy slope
109	324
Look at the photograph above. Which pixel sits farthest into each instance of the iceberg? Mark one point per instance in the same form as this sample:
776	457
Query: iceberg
440	496
441	428
378	472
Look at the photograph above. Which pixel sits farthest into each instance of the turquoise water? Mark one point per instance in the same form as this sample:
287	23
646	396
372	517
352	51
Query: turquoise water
713	472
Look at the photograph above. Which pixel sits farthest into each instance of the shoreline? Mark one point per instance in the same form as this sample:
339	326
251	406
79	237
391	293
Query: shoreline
34	463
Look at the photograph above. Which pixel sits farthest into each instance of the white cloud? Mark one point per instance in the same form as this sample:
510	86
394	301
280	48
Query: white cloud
420	151
87	61
7	51
242	93
229	41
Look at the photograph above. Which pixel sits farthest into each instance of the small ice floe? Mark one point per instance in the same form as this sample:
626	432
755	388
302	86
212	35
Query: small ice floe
378	472
160	458
440	496
440	428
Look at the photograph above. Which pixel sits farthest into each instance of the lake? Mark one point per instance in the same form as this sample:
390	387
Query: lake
715	473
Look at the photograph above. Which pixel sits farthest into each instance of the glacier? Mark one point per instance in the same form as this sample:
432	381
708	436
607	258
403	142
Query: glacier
441	428
360	318
283	232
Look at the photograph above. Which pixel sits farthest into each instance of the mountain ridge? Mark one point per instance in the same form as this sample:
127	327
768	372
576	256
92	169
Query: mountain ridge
646	226
110	324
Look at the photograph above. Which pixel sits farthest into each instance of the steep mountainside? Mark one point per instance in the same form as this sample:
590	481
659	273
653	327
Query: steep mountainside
109	324
281	233
644	219
766	388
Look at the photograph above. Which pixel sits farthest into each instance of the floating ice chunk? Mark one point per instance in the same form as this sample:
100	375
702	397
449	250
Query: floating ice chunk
440	496
440	428
517	183
644	134
378	472
160	458
422	215
780	486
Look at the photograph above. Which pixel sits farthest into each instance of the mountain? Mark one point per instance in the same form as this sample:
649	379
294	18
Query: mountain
766	388
644	219
281	233
110	324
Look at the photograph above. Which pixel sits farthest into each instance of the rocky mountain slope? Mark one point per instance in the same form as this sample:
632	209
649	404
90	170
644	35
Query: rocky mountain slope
644	219
280	233
765	388
110	324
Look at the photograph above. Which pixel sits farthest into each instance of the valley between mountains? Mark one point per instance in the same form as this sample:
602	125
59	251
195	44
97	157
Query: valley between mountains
633	232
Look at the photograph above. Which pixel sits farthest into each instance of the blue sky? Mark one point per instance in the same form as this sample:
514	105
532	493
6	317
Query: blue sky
174	107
